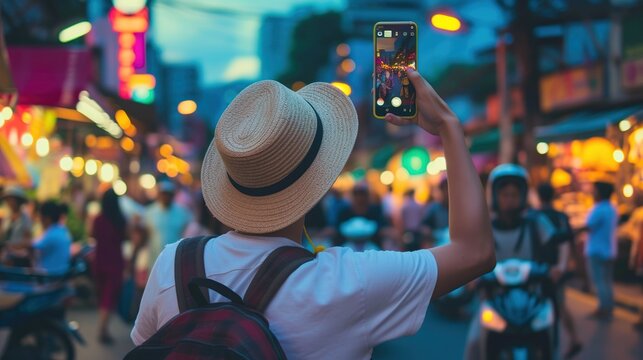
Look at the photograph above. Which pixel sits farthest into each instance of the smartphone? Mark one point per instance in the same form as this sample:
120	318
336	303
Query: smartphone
395	45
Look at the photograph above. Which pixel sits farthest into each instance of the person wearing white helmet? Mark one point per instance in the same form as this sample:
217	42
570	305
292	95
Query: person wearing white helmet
518	233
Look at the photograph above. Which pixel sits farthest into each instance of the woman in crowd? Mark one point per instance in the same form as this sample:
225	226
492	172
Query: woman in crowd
109	232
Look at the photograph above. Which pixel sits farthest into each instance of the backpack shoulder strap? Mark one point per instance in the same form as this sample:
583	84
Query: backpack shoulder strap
189	264
272	273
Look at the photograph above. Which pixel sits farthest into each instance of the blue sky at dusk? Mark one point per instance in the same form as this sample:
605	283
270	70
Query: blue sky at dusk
224	41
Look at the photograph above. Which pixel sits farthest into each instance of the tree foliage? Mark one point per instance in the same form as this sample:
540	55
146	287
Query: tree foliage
313	38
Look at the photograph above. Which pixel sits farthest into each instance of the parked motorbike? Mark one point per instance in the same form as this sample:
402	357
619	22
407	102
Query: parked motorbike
32	312
517	313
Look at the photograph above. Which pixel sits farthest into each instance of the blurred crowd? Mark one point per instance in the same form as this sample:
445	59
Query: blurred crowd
128	235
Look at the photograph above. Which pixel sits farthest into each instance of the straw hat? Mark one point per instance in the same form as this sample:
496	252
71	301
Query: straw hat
275	153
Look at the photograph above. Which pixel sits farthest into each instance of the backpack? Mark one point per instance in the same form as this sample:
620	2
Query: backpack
223	330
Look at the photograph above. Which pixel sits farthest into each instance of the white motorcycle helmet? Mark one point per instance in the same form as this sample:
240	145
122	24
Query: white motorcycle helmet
502	174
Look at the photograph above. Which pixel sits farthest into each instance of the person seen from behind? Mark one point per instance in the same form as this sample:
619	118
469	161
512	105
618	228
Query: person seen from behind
53	248
435	222
559	253
600	248
109	231
274	155
166	220
16	229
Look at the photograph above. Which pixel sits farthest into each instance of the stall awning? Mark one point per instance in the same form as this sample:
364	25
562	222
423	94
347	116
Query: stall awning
49	76
585	124
489	141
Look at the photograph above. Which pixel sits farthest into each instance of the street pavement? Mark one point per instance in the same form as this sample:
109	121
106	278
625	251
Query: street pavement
439	338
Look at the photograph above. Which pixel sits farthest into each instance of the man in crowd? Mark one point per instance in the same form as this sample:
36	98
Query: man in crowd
166	220
600	248
559	253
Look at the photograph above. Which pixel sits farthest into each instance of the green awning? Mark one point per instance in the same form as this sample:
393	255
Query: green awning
489	141
585	124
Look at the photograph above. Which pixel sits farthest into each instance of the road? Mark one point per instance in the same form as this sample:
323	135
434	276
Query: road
438	338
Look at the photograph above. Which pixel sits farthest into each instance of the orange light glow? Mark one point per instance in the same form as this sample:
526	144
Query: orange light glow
105	142
144	80
166	150
348	65
122	23
343	50
122	119
186	107
90	140
126	40
446	22
124	72
162	165
297	85
127	144
131	131
126	57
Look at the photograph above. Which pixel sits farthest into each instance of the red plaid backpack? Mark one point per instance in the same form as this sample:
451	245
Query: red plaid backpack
224	330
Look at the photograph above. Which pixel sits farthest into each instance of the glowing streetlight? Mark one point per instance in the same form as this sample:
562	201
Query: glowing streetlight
120	187
345	88
446	22
186	107
75	31
542	148
624	125
26	139
107	173
628	190
618	155
91	167
147	181
387	177
42	147
66	163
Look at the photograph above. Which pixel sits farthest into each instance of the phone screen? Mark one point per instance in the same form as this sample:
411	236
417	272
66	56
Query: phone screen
395	49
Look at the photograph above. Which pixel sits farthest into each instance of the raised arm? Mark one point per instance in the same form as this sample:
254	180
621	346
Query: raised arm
471	251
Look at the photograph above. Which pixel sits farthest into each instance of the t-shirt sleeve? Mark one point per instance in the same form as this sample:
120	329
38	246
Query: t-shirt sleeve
147	318
42	243
546	229
397	290
594	218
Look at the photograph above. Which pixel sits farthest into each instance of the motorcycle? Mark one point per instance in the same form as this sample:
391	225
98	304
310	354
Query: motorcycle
32	312
517	313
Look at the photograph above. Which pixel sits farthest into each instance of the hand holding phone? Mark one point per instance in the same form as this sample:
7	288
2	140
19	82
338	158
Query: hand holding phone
395	51
432	114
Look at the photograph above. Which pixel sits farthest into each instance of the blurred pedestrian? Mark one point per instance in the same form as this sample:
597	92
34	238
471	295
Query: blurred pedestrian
334	204
361	206
109	231
435	223
559	254
166	220
53	248
410	221
16	228
359	232
600	248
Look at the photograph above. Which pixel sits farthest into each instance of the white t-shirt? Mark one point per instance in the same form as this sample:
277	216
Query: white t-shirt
338	306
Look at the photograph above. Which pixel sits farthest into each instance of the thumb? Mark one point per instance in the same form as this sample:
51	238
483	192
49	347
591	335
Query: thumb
415	77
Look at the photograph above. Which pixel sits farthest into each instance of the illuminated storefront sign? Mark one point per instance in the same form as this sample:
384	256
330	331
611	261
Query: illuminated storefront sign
131	21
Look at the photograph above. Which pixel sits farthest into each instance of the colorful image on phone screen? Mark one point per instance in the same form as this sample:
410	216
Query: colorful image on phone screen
395	50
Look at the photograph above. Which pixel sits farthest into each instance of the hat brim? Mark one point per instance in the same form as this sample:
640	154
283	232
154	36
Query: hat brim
265	214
